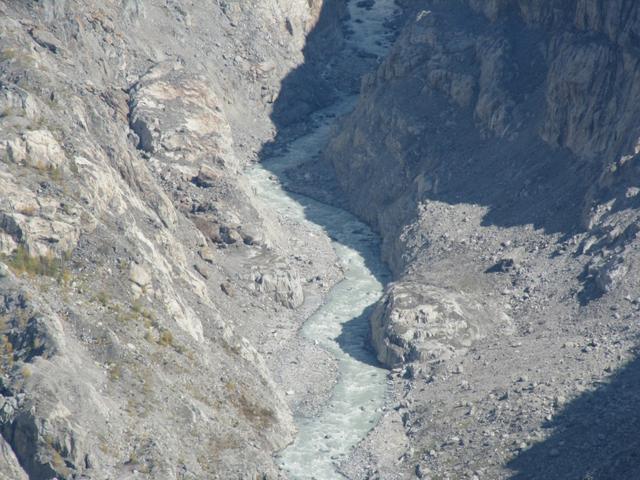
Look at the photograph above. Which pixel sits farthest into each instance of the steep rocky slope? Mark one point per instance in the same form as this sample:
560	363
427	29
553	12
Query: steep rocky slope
499	115
134	260
495	150
150	305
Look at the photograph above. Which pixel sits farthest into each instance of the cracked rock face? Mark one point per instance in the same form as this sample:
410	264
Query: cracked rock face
37	149
284	287
180	116
418	323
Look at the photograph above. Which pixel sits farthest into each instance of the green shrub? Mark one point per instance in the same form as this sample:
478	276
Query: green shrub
21	262
115	372
7	112
166	338
137	306
66	277
102	298
8	54
56	174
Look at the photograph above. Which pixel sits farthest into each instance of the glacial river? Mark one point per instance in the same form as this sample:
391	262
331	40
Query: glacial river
340	325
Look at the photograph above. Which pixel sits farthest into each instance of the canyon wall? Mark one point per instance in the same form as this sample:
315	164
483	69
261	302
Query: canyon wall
488	118
132	251
495	150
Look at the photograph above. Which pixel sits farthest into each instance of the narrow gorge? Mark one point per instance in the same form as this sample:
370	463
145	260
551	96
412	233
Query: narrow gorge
319	239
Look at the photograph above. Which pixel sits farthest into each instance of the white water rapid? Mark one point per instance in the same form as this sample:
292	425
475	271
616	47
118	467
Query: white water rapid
340	325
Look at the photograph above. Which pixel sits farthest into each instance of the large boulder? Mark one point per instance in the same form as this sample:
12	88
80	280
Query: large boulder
416	322
281	285
39	222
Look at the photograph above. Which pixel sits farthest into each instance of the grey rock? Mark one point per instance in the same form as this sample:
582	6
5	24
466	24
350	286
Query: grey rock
423	323
509	262
207	177
283	286
109	219
139	275
46	40
610	275
10	468
206	254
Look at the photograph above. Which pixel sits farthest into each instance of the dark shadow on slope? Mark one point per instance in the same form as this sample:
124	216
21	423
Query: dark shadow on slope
590	290
354	338
309	87
414	143
316	84
330	69
595	436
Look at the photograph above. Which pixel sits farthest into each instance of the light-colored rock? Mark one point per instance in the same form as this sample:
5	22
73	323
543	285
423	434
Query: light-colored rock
16	150
422	323
180	116
10	468
35	223
7	244
610	275
46	40
139	275
207	254
38	149
207	176
283	286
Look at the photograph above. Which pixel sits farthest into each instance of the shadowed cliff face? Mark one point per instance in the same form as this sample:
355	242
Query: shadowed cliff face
479	101
519	112
495	149
312	85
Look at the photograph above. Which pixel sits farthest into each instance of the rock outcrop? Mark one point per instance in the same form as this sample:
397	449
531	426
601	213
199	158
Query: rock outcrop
520	108
418	323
